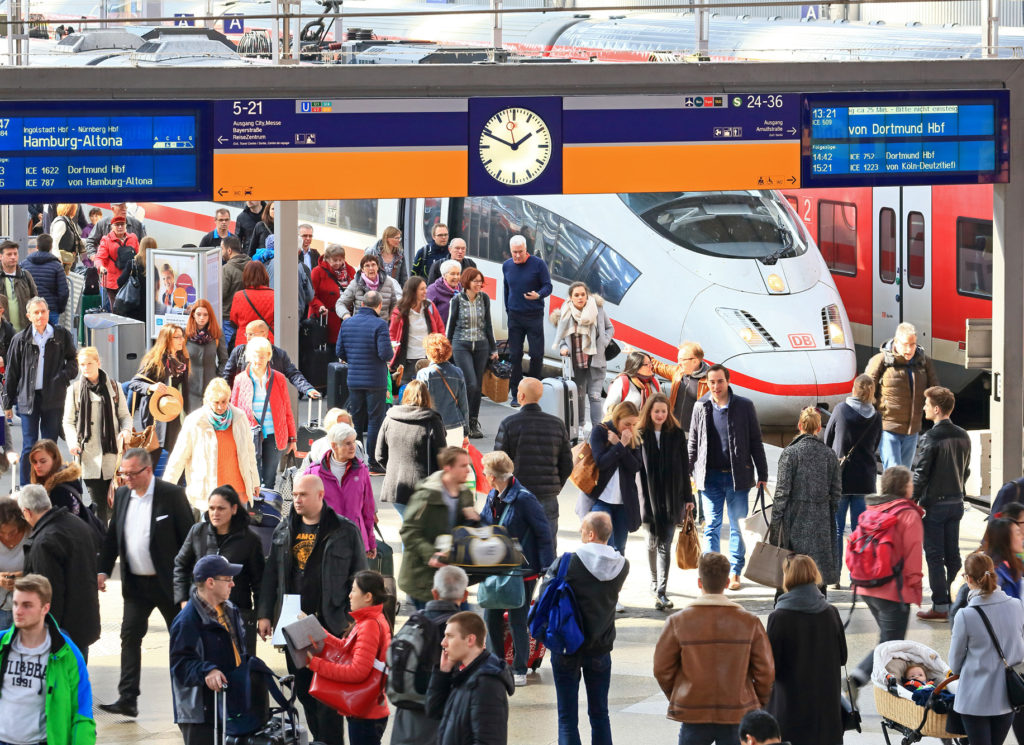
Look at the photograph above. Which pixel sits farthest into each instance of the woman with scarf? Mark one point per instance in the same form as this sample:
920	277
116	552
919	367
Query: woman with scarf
666	494
411	321
636	384
369	278
206	349
95	410
163	367
215	448
809	647
583	331
472	337
330	277
441	292
392	260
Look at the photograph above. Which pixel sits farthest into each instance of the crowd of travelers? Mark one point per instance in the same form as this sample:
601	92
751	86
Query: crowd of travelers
166	469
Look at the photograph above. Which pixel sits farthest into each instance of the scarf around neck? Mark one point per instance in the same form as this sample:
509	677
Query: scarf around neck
220	422
371	285
201	337
585	321
108	425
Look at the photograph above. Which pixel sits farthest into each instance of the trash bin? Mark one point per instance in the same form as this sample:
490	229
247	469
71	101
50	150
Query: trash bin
121	342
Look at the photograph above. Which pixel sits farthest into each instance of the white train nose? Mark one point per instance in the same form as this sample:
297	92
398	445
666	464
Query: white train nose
782	383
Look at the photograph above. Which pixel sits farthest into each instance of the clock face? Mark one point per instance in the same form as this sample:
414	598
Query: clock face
515	146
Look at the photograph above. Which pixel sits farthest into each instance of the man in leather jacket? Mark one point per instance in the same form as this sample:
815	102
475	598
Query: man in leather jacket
940	469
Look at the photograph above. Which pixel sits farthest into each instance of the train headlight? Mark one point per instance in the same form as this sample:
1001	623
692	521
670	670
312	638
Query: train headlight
832	325
749	330
775	283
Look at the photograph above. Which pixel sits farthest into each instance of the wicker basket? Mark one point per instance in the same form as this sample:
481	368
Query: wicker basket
906	712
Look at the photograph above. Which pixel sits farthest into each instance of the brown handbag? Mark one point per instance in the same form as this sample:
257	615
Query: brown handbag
145	439
688	544
584	468
495	388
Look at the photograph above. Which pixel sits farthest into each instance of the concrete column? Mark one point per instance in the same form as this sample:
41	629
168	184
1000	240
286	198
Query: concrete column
286	284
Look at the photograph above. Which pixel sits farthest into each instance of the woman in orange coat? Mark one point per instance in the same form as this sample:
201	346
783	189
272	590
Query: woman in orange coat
371	636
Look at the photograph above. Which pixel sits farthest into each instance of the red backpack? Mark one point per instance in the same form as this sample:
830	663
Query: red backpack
871	551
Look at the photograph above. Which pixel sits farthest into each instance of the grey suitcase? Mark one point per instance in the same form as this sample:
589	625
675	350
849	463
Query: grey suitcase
562	399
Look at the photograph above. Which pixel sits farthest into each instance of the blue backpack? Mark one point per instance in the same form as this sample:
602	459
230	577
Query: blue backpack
555	618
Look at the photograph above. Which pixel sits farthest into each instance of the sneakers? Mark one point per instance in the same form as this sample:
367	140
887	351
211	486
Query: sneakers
620	608
376	469
933	615
519	680
734	582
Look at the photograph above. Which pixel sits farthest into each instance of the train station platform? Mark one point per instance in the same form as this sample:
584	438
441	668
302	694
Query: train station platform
636	703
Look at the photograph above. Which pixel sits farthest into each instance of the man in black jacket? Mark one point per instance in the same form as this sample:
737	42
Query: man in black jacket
150	522
246	222
469	690
41	363
940	470
314	554
539	448
725	449
61	548
596	574
279	361
457	252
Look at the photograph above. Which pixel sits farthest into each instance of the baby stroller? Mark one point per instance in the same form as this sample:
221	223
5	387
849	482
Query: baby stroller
895	703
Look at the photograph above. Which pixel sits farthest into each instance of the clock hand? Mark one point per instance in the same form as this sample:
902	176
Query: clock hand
503	142
524	139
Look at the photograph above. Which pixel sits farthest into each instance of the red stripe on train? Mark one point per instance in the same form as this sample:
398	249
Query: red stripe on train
174	216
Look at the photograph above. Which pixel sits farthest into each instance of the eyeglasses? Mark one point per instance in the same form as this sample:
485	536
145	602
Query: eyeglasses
131	474
441	235
223	579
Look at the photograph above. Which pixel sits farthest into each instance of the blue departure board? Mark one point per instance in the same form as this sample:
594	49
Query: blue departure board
905	138
133	150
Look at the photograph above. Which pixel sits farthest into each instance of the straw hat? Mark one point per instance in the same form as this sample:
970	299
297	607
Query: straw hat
167	406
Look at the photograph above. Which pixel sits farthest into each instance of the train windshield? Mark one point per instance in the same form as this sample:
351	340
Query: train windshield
733	224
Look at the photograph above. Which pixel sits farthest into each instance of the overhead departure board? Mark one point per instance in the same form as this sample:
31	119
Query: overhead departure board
905	138
137	150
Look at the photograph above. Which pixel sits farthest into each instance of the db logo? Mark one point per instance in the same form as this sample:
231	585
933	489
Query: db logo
802	341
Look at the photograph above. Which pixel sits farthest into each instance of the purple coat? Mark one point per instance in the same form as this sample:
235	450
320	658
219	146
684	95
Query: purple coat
352	498
440	294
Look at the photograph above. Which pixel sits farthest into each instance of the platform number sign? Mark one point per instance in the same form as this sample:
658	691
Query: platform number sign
515	146
234	24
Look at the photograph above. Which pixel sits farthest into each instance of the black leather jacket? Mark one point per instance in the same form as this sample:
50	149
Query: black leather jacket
941	464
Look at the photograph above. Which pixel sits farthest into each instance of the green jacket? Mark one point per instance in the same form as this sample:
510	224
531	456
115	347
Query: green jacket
68	693
426	517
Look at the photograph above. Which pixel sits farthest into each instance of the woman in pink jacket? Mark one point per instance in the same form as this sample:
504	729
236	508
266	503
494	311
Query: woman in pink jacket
346	479
370	636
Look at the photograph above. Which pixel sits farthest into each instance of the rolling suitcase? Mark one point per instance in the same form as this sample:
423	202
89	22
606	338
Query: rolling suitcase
562	399
337	385
311	430
281	728
314	354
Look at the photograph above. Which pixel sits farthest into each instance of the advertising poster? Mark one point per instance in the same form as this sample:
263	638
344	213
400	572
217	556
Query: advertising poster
174	286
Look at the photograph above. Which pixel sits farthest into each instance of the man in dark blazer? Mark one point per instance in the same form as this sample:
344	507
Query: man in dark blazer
150	521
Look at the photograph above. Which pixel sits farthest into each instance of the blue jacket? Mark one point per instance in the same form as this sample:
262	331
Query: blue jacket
530	276
365	345
51	282
612	458
199	645
449	400
525	519
746	449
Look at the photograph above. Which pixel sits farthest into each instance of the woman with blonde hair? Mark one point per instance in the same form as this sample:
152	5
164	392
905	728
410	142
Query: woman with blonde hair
853	432
392	259
61	480
164	368
615	444
95	411
67	236
807	493
408	443
809	647
215	448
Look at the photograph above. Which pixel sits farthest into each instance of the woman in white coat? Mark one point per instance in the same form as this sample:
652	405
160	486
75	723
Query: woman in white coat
95	411
214	448
582	333
981	699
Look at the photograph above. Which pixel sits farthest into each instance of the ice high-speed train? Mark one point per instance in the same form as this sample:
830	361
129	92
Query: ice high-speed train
736	271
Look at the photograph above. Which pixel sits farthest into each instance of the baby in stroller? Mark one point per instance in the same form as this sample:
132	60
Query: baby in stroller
915	680
912	691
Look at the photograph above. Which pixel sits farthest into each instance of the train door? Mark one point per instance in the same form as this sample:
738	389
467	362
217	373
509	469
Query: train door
903	254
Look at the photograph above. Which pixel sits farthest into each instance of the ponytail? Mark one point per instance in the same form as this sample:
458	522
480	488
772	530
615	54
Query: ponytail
979	567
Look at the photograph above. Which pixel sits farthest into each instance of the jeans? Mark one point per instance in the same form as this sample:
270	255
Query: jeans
139	602
530	328
267	458
854	503
892	619
589	384
990	730
228	327
39	425
705	734
495	620
659	556
897	450
366	731
325	724
620	531
596	671
367	407
941	524
54	318
718	495
400	509
471	357
6	619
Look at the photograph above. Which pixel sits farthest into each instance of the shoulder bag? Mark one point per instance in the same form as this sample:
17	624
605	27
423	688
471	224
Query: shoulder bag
1014	673
688	545
502	591
585	473
129	297
848	453
350	699
760	519
245	294
146	439
765	563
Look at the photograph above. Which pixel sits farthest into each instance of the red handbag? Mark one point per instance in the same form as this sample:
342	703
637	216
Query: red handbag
350	699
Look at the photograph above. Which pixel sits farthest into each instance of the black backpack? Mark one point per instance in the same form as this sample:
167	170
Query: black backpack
414	652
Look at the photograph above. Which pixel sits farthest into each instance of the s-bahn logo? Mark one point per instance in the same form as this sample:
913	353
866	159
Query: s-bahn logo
802	341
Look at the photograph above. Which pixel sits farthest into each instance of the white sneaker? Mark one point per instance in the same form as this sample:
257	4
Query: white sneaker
620	608
519	680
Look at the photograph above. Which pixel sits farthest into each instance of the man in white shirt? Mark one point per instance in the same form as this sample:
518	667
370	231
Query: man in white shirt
150	522
44	688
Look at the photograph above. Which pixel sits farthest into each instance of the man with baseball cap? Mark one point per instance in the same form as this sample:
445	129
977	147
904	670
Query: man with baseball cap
102	228
207	645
